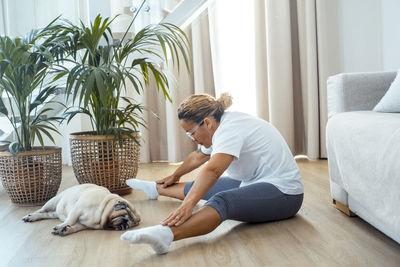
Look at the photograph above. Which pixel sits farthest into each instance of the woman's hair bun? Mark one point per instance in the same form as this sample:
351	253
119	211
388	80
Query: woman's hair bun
225	99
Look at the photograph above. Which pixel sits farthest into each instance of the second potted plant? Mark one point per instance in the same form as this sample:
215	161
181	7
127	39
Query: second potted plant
109	155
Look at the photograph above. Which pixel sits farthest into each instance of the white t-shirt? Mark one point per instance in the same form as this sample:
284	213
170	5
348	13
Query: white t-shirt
260	152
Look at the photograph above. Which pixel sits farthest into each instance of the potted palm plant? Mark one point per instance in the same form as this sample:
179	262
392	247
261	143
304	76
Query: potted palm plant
29	174
103	70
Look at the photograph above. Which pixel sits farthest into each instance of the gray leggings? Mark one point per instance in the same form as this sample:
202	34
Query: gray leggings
260	202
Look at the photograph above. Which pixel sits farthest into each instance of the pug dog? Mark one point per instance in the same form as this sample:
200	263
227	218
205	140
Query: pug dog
87	206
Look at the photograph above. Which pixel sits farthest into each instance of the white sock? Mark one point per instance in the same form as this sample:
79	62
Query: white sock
158	237
149	188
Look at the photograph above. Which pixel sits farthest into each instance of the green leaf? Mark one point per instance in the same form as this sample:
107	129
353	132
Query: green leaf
71	114
42	97
3	108
36	132
4	64
43	129
39	114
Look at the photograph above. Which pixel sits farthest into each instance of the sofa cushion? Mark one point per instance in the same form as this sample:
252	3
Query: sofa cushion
390	102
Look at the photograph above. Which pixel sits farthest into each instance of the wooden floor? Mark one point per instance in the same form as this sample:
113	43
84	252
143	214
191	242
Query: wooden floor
319	235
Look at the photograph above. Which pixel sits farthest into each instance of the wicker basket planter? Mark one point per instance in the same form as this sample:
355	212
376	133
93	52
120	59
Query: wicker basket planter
33	177
99	160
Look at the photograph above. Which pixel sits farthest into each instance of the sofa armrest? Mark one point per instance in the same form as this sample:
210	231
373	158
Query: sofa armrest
357	91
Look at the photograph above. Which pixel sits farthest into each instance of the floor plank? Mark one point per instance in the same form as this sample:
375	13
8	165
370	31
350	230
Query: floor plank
319	235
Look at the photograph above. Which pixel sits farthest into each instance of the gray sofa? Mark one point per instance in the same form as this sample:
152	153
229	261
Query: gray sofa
364	150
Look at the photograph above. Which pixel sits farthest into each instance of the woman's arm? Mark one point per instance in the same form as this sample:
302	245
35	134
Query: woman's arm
206	179
192	161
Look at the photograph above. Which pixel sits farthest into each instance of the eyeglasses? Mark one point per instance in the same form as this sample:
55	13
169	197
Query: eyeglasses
191	133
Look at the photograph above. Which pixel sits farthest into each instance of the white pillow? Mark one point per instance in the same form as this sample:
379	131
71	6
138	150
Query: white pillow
390	102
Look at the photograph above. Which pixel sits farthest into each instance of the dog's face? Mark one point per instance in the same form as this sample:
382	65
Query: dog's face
122	217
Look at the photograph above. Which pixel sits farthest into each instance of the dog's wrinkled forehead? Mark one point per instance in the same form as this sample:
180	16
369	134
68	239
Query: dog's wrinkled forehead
121	217
120	206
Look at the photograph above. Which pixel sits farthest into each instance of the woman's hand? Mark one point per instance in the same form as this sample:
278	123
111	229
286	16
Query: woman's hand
179	216
167	181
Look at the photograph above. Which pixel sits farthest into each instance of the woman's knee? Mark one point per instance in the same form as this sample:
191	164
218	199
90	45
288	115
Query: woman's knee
220	203
222	184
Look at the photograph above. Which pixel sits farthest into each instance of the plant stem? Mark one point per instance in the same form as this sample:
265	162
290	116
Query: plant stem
14	124
137	12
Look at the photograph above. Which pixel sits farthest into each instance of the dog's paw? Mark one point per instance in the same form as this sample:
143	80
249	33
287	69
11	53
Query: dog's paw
60	230
27	218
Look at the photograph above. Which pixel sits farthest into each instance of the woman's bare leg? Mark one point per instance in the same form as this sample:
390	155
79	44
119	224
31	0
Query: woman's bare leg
175	190
200	223
153	190
160	237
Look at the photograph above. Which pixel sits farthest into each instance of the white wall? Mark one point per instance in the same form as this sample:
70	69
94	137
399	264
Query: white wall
390	34
360	27
369	35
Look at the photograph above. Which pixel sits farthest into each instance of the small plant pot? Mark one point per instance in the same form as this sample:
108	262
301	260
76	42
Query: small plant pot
32	177
99	160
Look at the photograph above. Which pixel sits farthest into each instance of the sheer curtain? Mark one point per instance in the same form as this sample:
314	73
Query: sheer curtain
20	16
291	71
267	54
164	139
272	56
